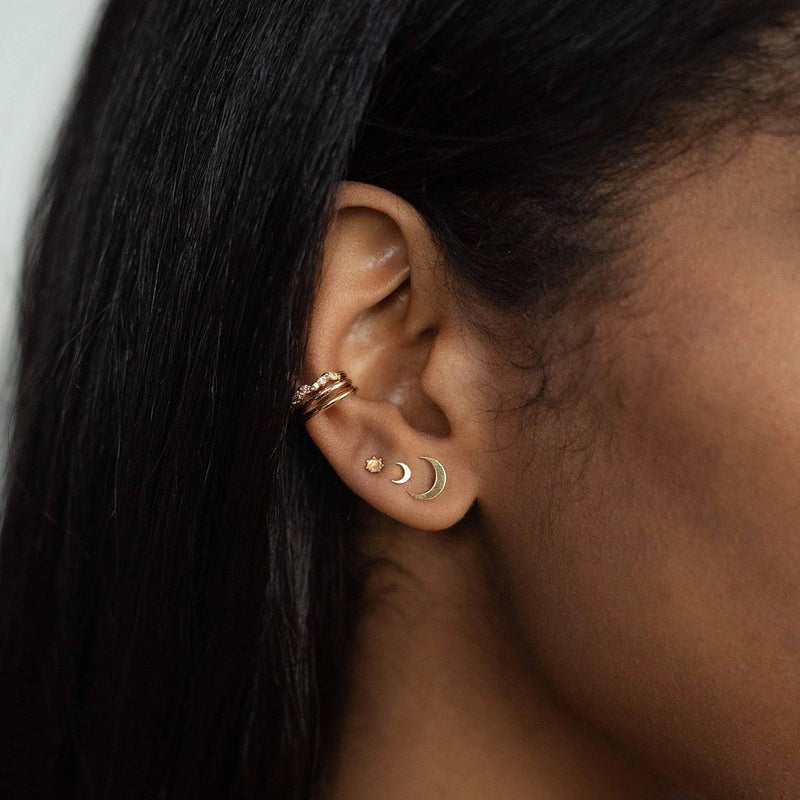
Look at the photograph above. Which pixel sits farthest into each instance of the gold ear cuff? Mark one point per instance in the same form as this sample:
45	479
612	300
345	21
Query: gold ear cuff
329	388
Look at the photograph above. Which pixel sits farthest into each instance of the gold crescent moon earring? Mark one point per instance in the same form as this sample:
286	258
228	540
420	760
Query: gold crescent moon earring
406	473
439	481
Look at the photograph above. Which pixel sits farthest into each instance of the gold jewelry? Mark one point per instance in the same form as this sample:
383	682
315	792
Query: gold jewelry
373	464
406	473
329	388
438	484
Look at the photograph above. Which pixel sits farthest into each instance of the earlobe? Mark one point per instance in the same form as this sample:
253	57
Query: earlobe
373	346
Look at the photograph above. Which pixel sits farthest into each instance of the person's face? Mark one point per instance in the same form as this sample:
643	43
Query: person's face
649	532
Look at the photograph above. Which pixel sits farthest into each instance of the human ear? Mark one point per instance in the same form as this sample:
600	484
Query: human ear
383	314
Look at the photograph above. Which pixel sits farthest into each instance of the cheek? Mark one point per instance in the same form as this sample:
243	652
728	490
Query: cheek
715	442
657	571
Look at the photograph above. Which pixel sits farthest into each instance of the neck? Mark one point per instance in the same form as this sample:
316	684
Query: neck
442	702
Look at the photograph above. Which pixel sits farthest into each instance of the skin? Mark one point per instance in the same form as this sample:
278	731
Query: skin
605	600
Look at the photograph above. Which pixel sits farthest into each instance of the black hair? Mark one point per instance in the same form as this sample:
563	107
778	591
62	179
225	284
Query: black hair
176	580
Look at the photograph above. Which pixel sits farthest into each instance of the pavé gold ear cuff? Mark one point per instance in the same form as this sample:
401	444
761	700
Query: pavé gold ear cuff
329	388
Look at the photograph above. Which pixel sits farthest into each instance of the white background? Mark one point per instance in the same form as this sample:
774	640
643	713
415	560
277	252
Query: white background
41	43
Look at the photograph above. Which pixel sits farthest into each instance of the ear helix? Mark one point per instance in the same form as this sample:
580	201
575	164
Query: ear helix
375	464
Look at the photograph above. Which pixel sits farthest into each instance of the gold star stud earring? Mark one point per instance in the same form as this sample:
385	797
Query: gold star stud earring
373	464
